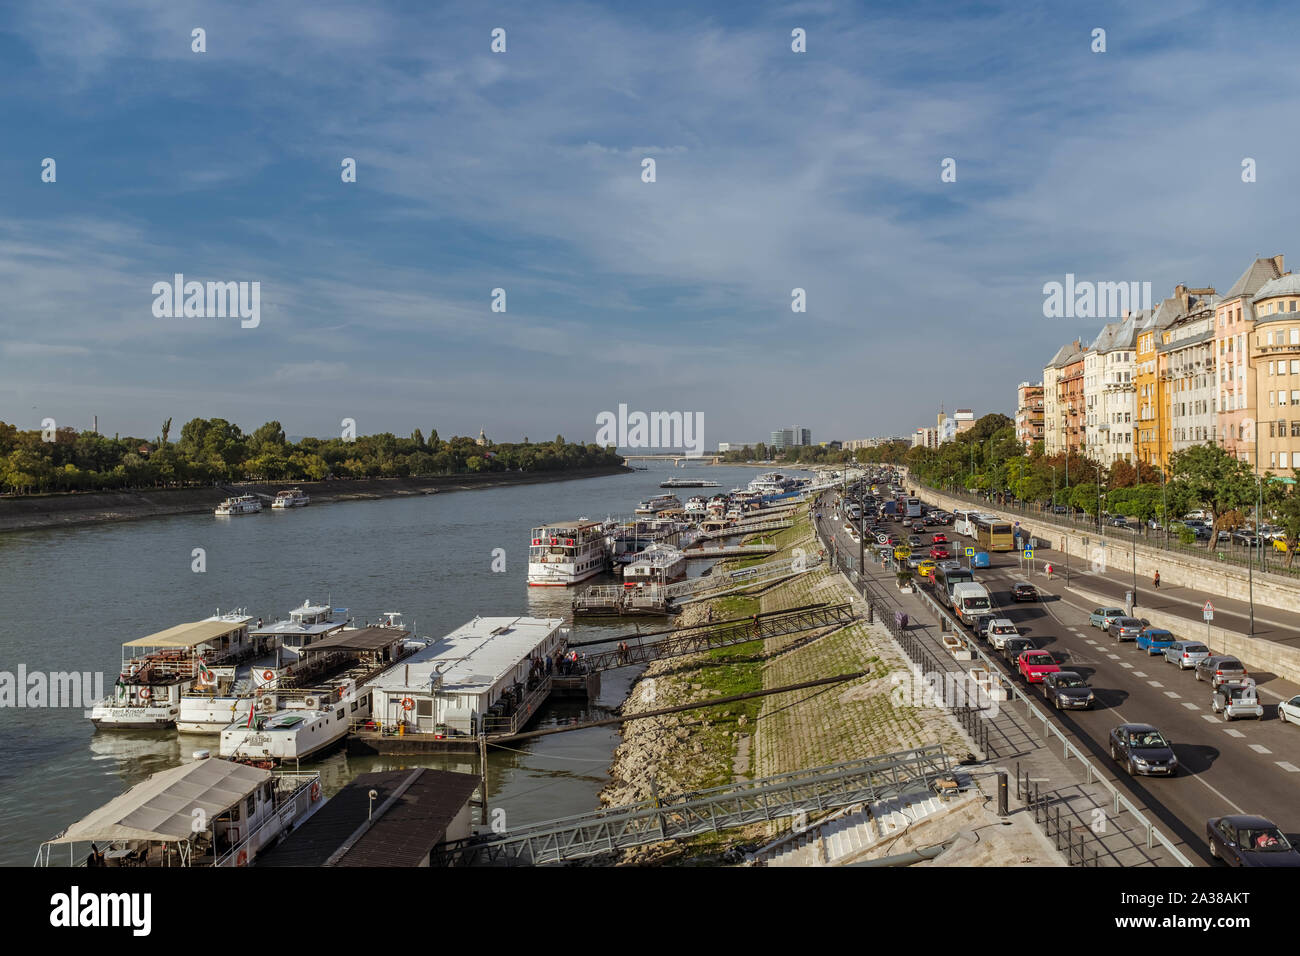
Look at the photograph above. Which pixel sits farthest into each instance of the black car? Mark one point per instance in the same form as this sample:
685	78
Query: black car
1013	647
1067	689
1249	841
1024	591
980	622
1143	750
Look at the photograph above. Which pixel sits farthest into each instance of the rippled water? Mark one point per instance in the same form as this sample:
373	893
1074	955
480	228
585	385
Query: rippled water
69	597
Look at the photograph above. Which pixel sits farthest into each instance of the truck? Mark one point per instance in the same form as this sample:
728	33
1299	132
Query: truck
889	509
970	599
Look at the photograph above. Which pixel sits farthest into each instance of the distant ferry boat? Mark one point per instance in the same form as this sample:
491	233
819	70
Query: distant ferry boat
775	486
294	498
566	553
243	505
658	503
688	483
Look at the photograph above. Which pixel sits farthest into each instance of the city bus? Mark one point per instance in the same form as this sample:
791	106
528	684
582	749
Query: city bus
913	508
963	521
994	534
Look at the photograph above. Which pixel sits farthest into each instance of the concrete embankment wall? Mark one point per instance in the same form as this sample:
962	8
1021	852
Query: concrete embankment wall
49	511
1182	570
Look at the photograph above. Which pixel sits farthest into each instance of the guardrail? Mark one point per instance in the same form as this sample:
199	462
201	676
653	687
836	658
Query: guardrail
1069	749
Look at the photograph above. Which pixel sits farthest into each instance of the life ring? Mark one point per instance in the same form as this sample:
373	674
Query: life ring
242	859
315	791
268	675
144	693
408	704
340	690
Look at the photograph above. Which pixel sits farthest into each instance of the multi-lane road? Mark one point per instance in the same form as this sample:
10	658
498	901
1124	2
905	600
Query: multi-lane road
1244	766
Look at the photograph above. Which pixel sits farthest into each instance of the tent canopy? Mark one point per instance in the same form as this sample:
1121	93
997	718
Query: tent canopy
187	635
161	808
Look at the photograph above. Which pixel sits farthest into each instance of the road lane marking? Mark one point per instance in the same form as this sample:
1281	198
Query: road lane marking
1233	733
1190	706
1155	683
1093	643
1126	664
1260	749
1139	674
1288	767
1210	717
1113	657
1172	696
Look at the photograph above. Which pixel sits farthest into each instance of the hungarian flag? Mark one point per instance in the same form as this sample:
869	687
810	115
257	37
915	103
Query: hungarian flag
205	675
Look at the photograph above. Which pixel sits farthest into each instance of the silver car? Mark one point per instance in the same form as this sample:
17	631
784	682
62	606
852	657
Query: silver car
1237	700
1186	653
1125	628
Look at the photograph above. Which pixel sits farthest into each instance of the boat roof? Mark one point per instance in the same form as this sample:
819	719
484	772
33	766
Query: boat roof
193	634
471	658
161	807
571	523
360	639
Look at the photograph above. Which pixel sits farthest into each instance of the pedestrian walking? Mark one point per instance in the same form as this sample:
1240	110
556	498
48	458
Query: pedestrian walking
1155	581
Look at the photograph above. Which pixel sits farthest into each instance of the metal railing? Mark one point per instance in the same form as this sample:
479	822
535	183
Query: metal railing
1047	727
1047	814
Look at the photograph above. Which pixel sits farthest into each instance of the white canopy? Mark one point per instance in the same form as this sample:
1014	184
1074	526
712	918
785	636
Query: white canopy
162	807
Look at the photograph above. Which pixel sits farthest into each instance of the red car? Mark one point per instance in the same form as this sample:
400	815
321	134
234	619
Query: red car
940	538
1034	664
940	552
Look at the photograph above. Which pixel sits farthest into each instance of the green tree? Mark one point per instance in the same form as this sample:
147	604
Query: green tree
1215	481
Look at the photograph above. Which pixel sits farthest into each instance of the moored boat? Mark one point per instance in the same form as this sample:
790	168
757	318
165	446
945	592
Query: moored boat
565	553
242	505
293	498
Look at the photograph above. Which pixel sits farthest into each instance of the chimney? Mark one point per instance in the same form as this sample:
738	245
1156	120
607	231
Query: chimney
1277	263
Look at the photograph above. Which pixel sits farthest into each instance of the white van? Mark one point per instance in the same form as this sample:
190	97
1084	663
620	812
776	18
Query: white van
970	599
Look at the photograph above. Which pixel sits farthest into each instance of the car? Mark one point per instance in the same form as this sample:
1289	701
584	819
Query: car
1119	522
1279	544
1237	700
1288	712
1102	616
999	631
925	567
901	553
914	560
950	564
1154	640
1242	840
940	552
1067	689
939	538
1060	509
1143	750
980	624
1186	653
914	541
1221	669
1125	628
1024	591
1033	665
1013	647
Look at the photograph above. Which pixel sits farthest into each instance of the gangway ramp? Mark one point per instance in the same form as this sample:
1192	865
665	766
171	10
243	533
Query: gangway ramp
807	792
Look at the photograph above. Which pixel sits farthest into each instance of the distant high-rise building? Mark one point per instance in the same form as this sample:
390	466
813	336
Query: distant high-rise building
784	438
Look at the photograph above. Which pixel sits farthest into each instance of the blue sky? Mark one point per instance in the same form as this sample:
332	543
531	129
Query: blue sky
522	170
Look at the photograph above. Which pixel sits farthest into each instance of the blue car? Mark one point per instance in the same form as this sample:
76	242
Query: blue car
1154	640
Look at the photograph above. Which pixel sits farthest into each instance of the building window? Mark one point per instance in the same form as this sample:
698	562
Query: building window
1271	433
1295	428
1295	336
1281	460
1272	459
1270	369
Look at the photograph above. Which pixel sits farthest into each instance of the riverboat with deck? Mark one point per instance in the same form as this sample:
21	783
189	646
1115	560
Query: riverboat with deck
567	552
293	498
242	505
158	669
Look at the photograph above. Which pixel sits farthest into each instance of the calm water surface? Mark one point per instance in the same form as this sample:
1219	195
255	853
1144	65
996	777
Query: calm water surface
70	597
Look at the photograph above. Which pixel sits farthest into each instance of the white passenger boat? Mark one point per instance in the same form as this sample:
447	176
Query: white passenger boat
243	505
225	694
208	812
657	564
657	503
309	715
158	669
293	498
566	553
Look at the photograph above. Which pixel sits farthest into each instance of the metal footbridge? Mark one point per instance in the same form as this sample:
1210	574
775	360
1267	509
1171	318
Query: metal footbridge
749	527
723	582
705	811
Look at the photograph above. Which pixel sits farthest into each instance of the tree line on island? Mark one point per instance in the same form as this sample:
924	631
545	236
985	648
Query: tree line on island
215	450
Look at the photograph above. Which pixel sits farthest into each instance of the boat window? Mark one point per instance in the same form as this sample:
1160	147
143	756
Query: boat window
354	706
341	713
250	807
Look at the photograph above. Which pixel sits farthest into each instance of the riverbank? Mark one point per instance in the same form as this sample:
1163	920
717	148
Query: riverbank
31	512
693	750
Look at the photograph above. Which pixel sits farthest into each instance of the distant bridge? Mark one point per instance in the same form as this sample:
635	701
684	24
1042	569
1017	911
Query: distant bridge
675	459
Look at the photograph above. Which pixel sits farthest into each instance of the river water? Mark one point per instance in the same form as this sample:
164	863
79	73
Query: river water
69	598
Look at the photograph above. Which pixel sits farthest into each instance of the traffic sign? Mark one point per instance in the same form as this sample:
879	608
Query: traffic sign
1207	612
1029	554
970	552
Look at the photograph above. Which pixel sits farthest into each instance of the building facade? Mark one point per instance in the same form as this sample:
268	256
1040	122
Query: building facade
1029	413
1234	319
1275	361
